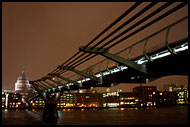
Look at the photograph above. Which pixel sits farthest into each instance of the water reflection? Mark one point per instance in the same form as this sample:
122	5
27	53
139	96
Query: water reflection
95	116
121	109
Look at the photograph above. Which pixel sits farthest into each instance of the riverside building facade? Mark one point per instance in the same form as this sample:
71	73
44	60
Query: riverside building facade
143	96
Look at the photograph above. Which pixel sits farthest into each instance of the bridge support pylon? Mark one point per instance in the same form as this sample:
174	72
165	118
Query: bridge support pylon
50	109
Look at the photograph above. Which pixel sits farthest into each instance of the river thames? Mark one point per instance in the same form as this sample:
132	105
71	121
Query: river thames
111	116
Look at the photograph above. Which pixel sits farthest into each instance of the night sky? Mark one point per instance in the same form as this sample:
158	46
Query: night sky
39	36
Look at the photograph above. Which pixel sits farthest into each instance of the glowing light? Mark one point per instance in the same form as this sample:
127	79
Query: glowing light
106	73
121	109
115	70
87	79
98	75
121	103
111	65
124	67
166	53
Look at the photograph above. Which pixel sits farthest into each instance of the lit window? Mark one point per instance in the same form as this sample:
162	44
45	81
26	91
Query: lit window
121	103
154	93
150	95
160	93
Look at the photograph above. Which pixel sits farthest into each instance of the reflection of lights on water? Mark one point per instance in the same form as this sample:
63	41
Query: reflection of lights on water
82	109
121	109
59	113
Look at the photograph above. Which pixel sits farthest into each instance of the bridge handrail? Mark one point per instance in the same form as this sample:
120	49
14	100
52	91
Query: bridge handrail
165	28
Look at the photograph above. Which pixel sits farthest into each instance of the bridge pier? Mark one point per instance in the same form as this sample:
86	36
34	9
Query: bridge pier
50	111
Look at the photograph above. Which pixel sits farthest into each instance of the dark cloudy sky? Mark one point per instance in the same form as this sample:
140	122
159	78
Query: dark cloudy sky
39	36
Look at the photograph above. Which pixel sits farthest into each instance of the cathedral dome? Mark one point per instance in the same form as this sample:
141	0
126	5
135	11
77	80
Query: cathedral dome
23	76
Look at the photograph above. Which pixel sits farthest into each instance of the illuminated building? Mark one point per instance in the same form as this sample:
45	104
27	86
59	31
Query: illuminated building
128	99
110	99
66	100
146	95
166	98
80	100
3	100
11	100
37	103
89	99
182	93
22	85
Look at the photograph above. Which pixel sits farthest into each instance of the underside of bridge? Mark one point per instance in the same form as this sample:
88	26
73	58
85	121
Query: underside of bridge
173	64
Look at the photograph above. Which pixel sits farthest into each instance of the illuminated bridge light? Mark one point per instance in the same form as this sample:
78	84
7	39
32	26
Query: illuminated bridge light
87	79
181	48
69	84
124	67
115	70
141	60
79	81
160	55
98	75
60	86
106	73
